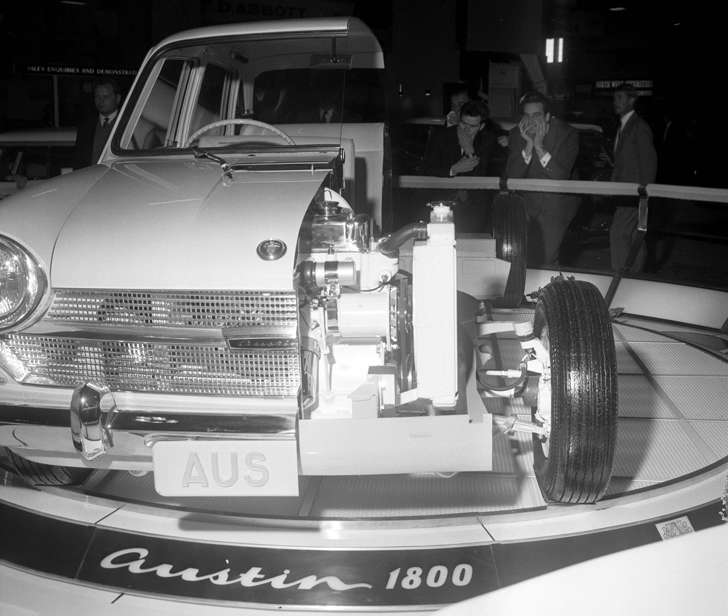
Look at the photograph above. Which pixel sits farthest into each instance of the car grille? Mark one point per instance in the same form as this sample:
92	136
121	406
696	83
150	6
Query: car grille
187	309
212	369
261	360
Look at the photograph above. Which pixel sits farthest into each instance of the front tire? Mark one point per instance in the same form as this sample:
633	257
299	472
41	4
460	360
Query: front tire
45	474
575	464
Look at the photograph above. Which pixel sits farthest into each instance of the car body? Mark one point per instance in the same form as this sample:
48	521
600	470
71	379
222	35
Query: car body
211	301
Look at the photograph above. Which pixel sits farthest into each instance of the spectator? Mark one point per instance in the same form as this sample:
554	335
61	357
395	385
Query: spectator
93	133
464	149
544	147
635	160
458	98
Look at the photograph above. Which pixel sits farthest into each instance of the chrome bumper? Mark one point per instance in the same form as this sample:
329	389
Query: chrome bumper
90	434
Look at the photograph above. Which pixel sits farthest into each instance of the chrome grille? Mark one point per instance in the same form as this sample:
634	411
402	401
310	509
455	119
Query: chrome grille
212	369
192	309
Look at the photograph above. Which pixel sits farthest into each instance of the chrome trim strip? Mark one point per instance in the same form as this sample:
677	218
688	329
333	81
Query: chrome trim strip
207	424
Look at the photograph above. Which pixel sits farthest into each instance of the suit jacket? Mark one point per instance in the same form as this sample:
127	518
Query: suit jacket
443	150
561	141
85	142
635	159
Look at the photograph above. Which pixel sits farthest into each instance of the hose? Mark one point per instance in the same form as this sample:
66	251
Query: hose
389	245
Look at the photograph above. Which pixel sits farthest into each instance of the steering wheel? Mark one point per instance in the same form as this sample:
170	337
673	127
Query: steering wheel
240	121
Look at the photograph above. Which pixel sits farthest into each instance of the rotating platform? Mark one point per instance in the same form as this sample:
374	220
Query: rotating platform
385	543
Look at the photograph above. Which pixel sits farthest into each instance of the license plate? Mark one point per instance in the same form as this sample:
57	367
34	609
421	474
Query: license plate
226	468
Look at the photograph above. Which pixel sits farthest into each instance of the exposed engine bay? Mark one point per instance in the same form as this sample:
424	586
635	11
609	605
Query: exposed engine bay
358	312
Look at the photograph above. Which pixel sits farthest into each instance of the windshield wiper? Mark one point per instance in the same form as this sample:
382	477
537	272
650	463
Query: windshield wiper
227	170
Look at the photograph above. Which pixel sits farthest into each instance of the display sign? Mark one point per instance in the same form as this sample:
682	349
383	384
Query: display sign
291	577
92	71
208	569
643	87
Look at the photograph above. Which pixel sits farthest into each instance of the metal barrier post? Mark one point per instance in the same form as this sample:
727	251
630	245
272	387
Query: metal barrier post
642	212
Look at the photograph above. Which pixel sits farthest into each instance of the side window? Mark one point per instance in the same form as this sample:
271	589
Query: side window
152	128
210	101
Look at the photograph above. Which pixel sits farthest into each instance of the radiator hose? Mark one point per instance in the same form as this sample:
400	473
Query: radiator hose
389	246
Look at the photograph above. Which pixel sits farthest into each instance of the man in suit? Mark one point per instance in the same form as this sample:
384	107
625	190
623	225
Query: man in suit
92	133
463	149
544	147
635	160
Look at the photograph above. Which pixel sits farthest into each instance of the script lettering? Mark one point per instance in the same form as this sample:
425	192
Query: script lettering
252	577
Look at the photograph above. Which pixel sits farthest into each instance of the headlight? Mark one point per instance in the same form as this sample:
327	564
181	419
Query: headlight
22	283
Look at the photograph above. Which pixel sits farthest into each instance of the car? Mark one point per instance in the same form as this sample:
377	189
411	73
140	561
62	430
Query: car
34	154
214	301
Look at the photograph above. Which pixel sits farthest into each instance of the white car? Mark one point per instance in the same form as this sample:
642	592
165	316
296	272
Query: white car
212	301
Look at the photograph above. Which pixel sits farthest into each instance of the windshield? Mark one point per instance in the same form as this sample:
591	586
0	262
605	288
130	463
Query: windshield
251	94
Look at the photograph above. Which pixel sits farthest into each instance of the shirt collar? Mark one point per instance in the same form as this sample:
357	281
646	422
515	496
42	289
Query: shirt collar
111	116
625	118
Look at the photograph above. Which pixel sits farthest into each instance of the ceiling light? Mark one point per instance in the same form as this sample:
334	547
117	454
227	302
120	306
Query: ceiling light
617	9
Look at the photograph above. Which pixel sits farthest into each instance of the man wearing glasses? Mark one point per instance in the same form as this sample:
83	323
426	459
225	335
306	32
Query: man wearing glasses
464	149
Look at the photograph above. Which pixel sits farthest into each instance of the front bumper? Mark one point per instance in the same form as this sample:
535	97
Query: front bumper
46	435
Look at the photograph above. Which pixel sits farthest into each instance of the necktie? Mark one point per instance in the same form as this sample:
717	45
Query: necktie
105	123
618	137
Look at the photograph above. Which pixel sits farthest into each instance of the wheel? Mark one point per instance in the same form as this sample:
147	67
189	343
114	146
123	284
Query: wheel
577	395
45	474
509	231
239	121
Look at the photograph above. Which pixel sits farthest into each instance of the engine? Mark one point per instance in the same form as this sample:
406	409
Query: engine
360	313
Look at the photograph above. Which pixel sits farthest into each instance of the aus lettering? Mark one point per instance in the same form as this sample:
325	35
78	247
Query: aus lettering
225	470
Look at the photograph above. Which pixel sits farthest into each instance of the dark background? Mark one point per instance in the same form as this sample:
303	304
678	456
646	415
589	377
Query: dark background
678	47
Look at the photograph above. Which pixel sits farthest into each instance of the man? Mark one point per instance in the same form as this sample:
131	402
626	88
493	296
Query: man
458	98
635	160
544	147
463	149
93	133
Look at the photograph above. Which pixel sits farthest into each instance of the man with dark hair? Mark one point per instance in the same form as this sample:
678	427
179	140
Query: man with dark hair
92	133
544	147
635	160
458	97
463	149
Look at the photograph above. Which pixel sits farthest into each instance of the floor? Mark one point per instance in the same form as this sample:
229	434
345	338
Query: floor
384	544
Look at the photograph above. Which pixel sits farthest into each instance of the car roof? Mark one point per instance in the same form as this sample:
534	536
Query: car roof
326	26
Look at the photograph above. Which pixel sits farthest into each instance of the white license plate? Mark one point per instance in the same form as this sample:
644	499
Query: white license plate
226	468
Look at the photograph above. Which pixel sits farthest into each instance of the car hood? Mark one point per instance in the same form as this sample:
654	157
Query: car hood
180	225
